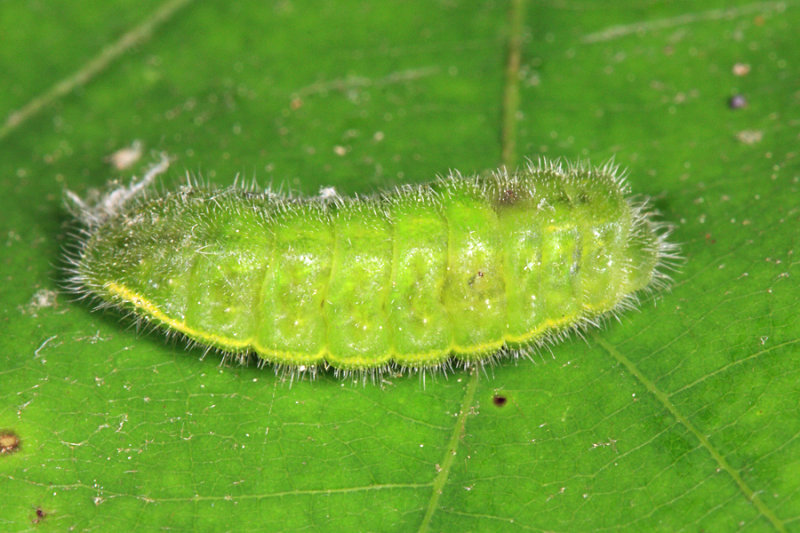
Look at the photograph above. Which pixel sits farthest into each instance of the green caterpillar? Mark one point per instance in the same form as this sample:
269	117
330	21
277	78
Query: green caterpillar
459	270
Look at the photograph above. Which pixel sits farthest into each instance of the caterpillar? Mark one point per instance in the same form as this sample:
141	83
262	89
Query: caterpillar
456	272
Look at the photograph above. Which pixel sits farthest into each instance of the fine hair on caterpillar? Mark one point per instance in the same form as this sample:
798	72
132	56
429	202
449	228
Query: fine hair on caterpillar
458	272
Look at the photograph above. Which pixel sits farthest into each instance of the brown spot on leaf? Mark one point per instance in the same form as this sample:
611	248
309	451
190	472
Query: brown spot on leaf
40	514
9	442
499	400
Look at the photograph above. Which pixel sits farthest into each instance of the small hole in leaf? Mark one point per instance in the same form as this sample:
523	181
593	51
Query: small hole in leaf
499	400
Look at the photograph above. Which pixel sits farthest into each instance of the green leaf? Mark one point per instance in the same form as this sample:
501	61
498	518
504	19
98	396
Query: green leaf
682	416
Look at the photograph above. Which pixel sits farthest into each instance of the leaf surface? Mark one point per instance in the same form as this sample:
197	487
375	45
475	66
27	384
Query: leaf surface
682	416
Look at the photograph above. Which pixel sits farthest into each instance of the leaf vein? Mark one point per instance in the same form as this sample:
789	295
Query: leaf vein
722	463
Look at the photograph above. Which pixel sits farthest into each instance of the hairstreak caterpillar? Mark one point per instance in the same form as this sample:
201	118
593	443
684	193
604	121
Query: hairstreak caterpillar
457	271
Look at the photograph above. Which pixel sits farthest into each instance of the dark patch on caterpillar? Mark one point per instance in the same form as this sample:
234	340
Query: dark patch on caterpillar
508	197
458	272
477	275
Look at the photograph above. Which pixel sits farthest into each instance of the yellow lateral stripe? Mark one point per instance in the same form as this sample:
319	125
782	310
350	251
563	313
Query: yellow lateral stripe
430	354
283	356
147	306
478	348
359	362
552	324
531	335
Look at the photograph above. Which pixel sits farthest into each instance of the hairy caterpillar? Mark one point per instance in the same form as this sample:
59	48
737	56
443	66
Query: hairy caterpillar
459	270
